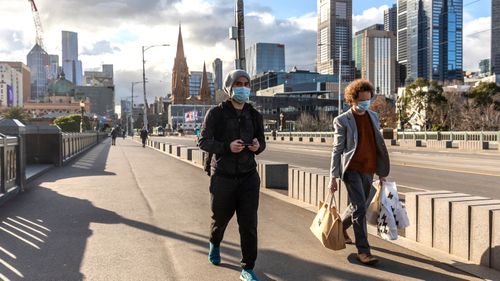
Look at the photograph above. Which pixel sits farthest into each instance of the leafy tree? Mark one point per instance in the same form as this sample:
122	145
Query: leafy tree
425	98
71	123
16	113
386	112
486	95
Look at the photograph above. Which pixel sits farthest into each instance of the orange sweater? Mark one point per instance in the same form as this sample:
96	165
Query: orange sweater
364	159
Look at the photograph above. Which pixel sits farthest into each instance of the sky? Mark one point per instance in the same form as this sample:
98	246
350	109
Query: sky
113	31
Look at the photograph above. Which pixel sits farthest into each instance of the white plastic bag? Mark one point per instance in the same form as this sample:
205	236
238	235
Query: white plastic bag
392	213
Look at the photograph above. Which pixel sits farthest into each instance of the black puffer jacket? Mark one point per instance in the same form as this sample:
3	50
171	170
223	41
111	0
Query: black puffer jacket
222	125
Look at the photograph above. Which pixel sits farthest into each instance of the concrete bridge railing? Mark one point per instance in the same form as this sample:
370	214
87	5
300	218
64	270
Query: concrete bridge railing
462	226
23	146
457	140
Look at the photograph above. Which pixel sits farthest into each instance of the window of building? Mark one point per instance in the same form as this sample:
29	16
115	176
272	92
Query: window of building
324	11
324	45
341	10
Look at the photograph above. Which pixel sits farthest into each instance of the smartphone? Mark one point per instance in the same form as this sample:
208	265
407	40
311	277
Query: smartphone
247	144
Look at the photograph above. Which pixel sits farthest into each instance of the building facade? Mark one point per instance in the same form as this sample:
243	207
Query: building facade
71	65
101	99
217	70
484	67
376	60
430	35
334	39
391	19
195	81
26	78
495	38
53	67
38	62
102	78
294	77
11	87
265	57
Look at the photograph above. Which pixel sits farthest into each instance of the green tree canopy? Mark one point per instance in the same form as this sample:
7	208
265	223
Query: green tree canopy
16	113
71	123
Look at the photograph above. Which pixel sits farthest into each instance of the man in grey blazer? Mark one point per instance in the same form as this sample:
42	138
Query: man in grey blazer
359	152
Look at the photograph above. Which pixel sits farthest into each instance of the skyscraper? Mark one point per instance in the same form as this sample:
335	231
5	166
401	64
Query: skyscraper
375	59
217	69
334	34
430	39
38	62
196	81
391	19
495	38
402	38
265	57
53	67
71	65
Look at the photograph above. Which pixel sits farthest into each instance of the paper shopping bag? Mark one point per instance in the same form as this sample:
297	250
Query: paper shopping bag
327	225
373	209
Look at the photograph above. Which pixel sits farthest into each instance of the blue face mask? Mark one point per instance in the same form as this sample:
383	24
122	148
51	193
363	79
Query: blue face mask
241	94
363	105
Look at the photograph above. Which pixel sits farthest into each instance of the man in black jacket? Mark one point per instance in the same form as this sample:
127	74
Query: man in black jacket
234	133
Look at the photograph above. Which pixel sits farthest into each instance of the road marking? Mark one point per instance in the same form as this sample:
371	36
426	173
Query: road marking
447	170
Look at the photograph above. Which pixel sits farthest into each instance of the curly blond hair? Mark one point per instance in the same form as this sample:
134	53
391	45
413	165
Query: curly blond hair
357	86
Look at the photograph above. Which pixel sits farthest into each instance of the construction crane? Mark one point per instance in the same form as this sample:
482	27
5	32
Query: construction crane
38	24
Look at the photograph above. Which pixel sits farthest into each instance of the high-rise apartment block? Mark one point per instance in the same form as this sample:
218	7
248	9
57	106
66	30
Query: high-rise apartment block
374	58
334	41
265	57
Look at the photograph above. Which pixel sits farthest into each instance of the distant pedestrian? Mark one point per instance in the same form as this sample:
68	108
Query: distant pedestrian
359	152
144	136
233	133
124	134
114	134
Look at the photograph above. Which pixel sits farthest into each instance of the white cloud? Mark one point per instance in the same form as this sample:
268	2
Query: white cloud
308	21
368	17
477	42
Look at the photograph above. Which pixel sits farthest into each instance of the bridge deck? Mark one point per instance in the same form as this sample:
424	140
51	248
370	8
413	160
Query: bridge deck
128	213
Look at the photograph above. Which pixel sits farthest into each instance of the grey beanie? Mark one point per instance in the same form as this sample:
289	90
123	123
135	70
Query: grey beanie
233	76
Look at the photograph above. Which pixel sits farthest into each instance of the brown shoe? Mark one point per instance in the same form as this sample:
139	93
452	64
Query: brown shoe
347	239
366	259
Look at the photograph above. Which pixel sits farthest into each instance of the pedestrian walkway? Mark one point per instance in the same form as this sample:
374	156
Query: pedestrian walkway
130	213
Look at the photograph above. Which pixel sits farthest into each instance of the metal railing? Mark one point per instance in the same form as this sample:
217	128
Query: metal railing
9	149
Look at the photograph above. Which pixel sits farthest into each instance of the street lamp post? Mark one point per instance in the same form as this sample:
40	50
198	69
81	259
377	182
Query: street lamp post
131	132
82	107
145	48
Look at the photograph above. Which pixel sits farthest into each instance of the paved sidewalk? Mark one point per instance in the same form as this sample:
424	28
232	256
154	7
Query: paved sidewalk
130	213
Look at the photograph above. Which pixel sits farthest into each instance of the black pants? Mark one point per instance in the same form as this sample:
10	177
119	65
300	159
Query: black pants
240	195
144	142
113	140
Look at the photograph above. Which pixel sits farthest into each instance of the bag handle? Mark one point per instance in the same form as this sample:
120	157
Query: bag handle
332	201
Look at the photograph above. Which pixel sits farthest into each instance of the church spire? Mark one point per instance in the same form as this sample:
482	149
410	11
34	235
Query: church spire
205	95
180	74
180	45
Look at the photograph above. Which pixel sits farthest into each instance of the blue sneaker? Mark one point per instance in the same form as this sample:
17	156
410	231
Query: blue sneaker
214	254
248	275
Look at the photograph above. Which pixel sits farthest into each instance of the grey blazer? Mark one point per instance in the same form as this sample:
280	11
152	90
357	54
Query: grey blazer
345	141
